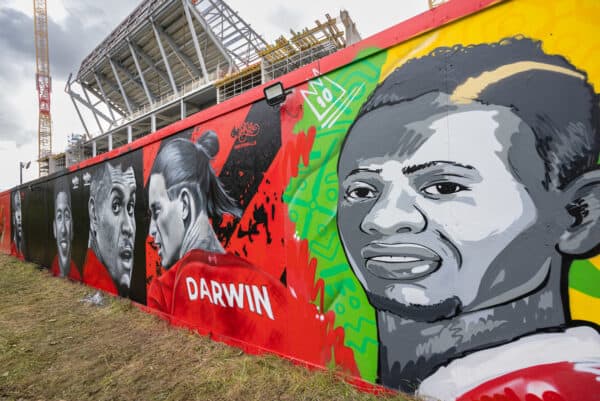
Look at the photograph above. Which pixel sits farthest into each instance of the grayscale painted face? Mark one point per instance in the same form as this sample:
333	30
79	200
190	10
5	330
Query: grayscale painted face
431	210
166	224
17	216
63	231
116	225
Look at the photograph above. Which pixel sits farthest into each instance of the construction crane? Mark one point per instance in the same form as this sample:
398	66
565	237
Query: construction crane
43	84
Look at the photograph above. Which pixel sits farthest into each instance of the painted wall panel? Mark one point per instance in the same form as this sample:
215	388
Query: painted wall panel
5	222
424	215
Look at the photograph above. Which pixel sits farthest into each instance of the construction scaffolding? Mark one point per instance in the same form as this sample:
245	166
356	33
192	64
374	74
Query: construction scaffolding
158	66
235	35
286	55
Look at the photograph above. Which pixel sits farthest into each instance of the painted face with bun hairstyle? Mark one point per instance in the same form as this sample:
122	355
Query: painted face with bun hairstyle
184	193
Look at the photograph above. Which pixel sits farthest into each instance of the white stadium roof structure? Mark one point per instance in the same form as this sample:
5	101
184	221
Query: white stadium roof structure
171	58
158	66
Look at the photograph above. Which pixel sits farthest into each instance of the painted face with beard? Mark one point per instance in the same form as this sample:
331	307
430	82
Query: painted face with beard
115	224
432	217
63	231
17	217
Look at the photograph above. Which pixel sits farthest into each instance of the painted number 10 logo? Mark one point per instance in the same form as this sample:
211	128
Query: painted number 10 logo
327	99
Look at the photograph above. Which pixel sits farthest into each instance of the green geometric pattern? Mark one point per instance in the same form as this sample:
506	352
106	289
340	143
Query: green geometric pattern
330	105
585	277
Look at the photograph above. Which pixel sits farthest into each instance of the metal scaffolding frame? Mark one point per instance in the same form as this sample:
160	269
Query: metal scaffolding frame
157	66
236	36
171	58
286	55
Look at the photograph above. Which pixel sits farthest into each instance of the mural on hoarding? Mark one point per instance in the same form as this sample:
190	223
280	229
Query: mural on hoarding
461	206
5	222
426	217
62	230
18	238
212	224
184	193
111	206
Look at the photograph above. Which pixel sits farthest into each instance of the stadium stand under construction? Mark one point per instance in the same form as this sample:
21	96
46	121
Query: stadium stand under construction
169	59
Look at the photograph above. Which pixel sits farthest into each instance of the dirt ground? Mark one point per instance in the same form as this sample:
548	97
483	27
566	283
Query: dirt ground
53	346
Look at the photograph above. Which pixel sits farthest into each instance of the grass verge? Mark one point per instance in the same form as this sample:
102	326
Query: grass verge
54	347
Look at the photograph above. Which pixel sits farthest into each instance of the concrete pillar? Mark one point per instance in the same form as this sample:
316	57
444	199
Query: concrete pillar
183	109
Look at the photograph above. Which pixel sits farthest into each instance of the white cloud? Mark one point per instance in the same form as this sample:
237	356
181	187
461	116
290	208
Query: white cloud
10	156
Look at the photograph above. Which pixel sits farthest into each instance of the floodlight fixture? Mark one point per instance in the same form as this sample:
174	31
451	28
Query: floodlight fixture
275	94
22	166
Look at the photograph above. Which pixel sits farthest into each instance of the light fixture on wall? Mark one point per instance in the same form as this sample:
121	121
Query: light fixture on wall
22	166
275	94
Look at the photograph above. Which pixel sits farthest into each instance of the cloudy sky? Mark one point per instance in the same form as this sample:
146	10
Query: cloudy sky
77	26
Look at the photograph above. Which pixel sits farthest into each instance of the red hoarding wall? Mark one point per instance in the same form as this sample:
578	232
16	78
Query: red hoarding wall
5	222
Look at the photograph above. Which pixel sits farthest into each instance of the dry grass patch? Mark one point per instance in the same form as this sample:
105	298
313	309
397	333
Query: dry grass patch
54	347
